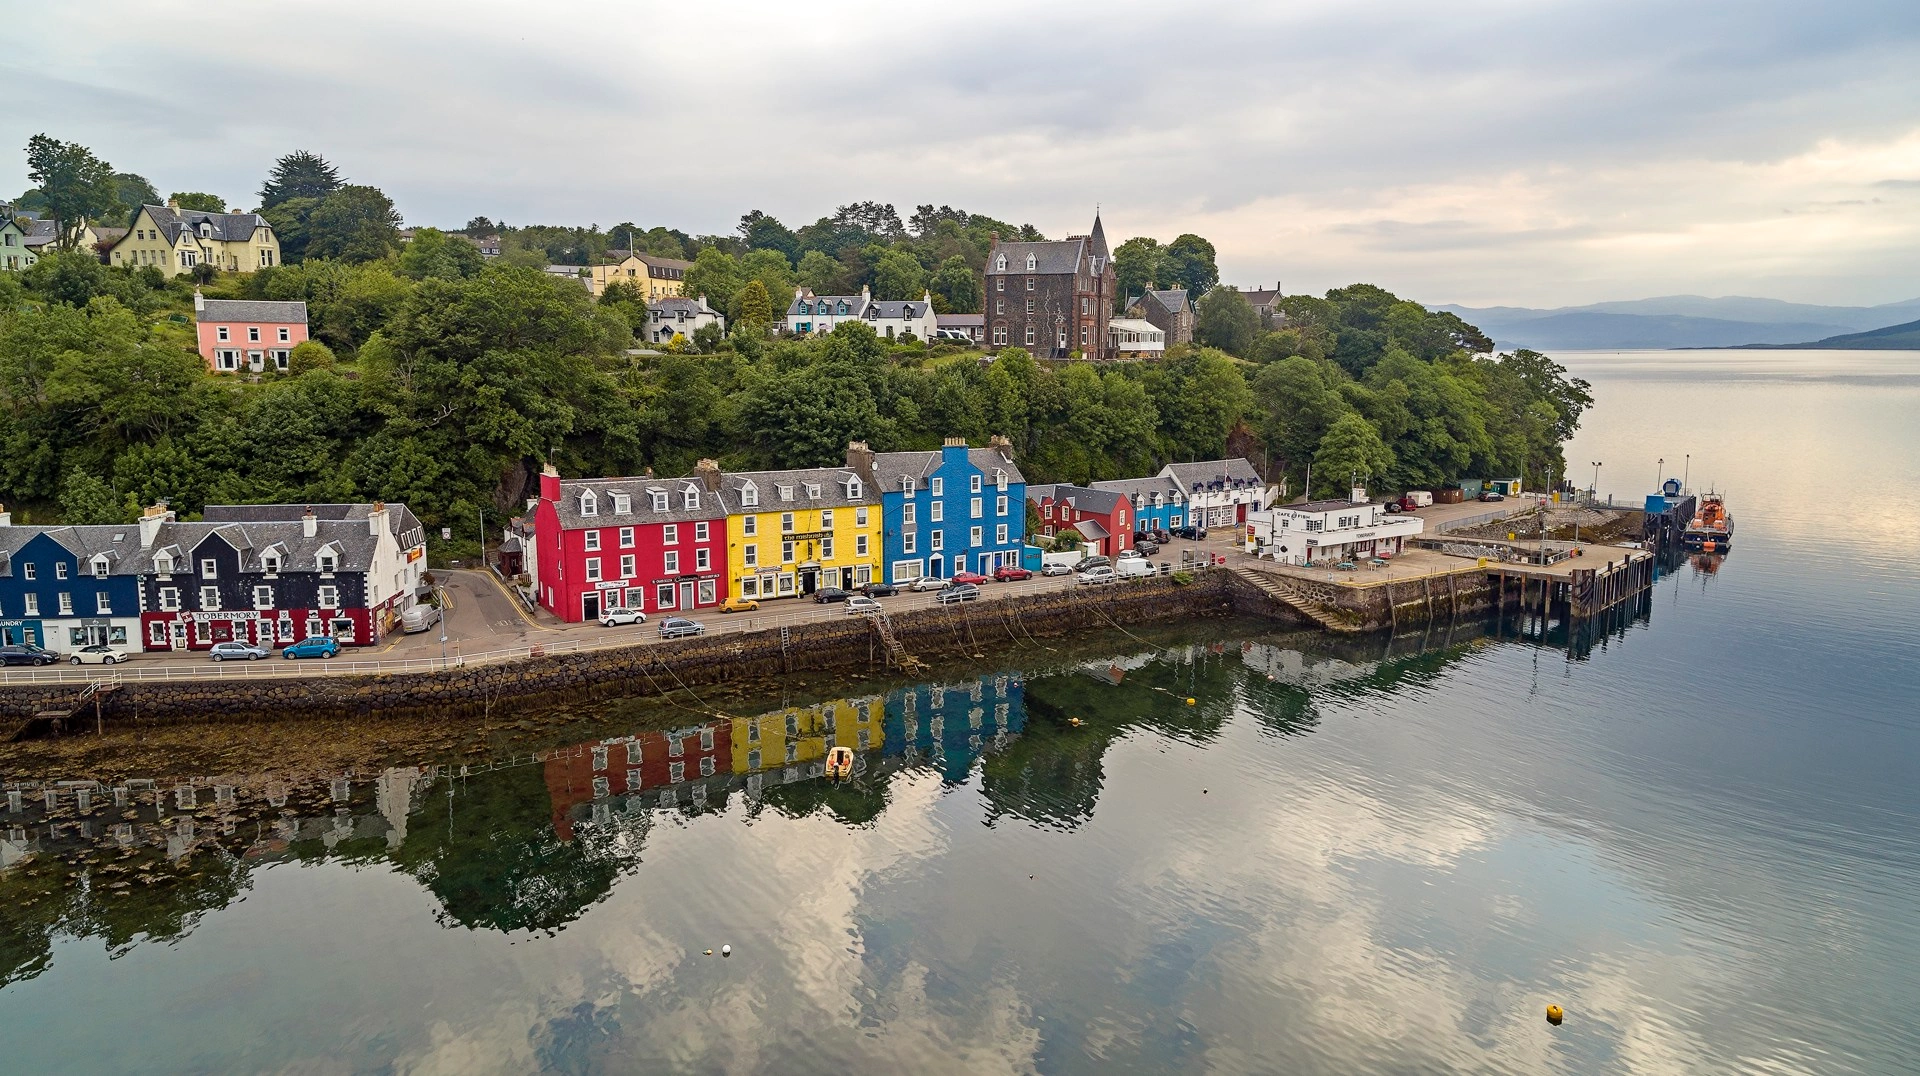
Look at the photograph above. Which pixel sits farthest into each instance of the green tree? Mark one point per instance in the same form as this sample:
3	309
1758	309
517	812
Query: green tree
626	297
714	274
299	174
353	224
198	200
434	253
820	271
133	191
755	317
1352	449
1139	263
72	277
86	499
957	287
290	220
75	184
1223	318
771	269
898	276
762	232
1190	264
1295	402
308	356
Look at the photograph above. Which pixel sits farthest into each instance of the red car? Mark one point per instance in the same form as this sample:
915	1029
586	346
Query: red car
1007	573
969	577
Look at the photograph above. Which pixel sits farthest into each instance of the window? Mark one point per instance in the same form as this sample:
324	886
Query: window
209	597
1029	287
907	542
750	525
1030	336
593	568
99	567
973	484
859	517
1029	309
27	570
1000	263
786	551
673	562
1000	534
937	512
860	545
1000	335
975	505
66	604
1000	505
826	520
751	556
285	336
702	559
33	605
1031	261
169	599
936	541
670	534
593	540
328	562
707	592
973	537
663	596
221	333
999	306
676	772
939	486
690	498
60	569
1083	336
749	495
786	522
209	569
253	334
826	549
659	500
626	537
1086	307
702	532
102	604
157	633
626	566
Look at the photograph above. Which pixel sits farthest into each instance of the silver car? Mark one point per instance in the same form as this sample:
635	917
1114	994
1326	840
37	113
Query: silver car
861	605
237	651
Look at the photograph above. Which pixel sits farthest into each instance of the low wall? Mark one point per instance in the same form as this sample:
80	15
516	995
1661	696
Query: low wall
1383	606
940	632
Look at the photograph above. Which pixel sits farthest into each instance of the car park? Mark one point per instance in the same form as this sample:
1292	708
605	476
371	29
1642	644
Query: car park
1096	575
739	605
958	592
877	589
970	577
861	605
235	650
1130	554
1135	568
26	654
1056	569
1162	535
928	582
1008	573
97	654
1194	534
622	616
676	627
829	595
313	646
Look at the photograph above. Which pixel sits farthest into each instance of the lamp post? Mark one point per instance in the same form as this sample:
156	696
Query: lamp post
1686	473
1595	488
1663	473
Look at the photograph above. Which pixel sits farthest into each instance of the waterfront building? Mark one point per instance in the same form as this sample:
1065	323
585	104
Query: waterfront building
63	587
794	532
948	511
1157	501
888	318
250	334
658	545
1103	517
1052	298
1218	492
1329	531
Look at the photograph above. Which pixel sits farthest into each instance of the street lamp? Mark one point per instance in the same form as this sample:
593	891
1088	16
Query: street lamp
1595	488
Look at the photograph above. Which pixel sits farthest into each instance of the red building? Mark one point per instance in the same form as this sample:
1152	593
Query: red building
245	334
658	545
649	763
1104	518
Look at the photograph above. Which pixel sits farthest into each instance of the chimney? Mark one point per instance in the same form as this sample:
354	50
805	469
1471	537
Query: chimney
377	518
173	204
865	292
860	461
150	521
550	483
708	472
199	301
309	523
955	442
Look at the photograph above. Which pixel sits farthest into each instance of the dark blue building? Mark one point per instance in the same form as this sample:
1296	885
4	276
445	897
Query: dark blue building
66	587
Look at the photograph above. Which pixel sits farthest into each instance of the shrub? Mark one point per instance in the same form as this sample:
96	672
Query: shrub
309	355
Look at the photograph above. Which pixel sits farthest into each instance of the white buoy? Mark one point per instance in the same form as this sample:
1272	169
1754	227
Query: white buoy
726	950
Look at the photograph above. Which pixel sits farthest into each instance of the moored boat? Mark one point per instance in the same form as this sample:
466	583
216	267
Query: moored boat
840	763
1711	529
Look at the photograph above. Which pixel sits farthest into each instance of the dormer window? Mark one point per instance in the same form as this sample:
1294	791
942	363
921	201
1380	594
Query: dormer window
853	489
328	563
622	504
659	499
906	483
1000	263
589	504
270	563
1000	480
206	230
749	495
100	567
163	564
813	491
1032	263
786	493
690	498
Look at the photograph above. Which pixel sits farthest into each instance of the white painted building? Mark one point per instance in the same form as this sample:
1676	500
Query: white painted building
1329	531
892	319
668	318
1219	493
1136	338
889	319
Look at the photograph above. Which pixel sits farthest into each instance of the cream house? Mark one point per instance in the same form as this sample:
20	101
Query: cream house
656	277
175	240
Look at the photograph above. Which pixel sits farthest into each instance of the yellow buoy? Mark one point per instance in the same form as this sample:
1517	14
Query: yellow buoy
1554	1014
1190	702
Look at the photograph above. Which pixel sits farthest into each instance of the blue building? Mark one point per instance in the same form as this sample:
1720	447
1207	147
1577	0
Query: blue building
66	587
954	510
1158	503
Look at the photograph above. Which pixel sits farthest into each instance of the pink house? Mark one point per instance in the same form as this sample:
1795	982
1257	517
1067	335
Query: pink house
247	334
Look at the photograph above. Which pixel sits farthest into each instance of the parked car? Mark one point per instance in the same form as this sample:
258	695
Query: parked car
974	578
1147	547
1094	576
26	654
97	654
739	605
1056	568
1493	495
877	589
235	650
419	618
1092	562
675	627
1130	554
958	592
1162	535
1410	500
622	616
928	582
1008	573
829	595
1194	534
313	646
861	605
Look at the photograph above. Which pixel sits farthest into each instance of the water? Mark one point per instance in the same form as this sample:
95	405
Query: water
1698	838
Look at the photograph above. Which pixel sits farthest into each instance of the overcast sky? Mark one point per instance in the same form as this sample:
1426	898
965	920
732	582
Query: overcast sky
1523	152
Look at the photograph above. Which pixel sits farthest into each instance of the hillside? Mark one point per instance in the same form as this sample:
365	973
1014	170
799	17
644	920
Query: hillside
1679	321
1905	337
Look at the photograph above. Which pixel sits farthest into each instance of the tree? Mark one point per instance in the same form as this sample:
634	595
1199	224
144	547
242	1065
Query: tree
762	232
957	287
1223	318
86	499
481	227
626	297
1190	265
1352	449
75	184
309	355
898	276
72	277
1139	263
820	272
289	220
714	274
205	203
755	315
133	191
353	224
434	253
299	174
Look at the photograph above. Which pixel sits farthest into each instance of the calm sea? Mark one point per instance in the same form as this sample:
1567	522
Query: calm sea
1698	837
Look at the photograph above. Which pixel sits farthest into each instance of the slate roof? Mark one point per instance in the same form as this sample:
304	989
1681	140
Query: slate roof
1261	296
856	304
640	510
674	266
351	540
1145	487
896	310
227	227
959	321
42	231
406	526
262	310
1171	300
890	467
693	307
831	480
1091	528
1193	475
1085	499
1054	256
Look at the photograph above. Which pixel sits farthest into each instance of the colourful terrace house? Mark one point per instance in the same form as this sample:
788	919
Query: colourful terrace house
1102	517
68	587
1219	493
247	334
1157	502
795	532
957	509
658	545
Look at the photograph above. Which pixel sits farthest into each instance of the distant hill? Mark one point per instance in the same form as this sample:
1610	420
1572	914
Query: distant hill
1892	338
1679	321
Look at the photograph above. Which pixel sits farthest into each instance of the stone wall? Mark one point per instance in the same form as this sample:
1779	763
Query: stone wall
941	632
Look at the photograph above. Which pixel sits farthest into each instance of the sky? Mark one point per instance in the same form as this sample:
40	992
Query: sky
1483	152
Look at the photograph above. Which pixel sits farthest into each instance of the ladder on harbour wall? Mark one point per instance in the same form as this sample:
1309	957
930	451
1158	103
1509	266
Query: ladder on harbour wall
1280	590
896	653
59	719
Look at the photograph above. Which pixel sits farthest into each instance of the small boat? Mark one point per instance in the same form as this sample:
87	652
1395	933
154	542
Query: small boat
840	764
1711	529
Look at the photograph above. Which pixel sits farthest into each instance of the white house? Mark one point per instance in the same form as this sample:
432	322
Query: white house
1218	492
891	319
667	318
1329	531
810	313
1136	338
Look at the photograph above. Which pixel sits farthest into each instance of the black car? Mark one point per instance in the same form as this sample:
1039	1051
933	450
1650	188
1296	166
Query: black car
1092	562
829	595
1147	546
26	654
1191	533
1162	535
879	590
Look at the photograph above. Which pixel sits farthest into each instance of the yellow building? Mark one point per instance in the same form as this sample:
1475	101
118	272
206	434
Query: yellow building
175	240
791	533
656	277
802	735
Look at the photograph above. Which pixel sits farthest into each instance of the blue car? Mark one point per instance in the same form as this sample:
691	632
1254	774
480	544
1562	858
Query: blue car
314	646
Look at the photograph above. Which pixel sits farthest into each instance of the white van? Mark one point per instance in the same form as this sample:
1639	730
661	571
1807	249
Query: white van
1134	567
1060	558
419	618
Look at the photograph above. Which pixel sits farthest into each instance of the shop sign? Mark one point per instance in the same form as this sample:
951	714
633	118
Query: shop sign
208	618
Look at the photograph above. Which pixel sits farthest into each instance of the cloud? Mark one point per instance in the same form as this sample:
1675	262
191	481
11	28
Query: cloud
1493	152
